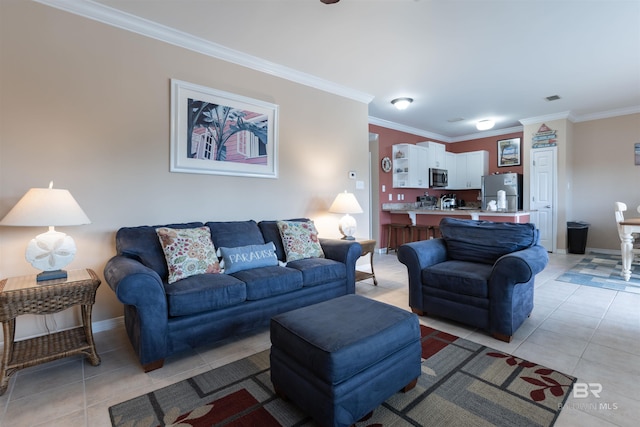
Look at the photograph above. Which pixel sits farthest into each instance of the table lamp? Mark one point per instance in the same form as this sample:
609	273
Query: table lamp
346	203
48	207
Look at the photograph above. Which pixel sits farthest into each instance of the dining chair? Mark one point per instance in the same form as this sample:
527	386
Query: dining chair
619	212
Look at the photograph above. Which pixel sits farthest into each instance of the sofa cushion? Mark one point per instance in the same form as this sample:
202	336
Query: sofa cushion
266	282
300	240
271	233
459	277
204	292
188	251
142	244
233	234
316	271
485	241
246	257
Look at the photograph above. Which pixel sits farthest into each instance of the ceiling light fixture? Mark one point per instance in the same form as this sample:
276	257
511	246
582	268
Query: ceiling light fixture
485	124
402	103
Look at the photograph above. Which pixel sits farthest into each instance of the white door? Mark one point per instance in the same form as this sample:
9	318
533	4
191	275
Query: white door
543	194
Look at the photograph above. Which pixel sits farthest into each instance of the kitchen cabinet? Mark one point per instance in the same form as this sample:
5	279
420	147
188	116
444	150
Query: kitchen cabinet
410	168
450	164
436	154
471	167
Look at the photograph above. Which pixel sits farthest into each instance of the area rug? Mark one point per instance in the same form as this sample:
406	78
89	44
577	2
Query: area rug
462	384
603	271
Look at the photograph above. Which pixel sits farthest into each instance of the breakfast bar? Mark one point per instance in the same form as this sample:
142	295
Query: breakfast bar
429	216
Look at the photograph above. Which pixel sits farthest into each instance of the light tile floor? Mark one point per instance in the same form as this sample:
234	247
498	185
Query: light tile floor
593	334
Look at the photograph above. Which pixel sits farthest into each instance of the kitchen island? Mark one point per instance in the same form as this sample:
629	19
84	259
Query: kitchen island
430	216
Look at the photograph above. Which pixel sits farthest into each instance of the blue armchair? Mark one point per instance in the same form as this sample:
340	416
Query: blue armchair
480	273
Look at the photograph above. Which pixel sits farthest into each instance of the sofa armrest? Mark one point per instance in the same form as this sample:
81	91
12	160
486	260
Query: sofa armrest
347	252
511	287
146	313
134	283
417	256
518	267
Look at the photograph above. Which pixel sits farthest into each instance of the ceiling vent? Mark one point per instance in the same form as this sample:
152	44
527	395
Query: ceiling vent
552	98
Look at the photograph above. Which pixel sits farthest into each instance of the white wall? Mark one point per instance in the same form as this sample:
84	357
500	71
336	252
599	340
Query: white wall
87	106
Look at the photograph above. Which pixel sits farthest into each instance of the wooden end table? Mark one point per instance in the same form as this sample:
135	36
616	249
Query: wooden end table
23	295
368	247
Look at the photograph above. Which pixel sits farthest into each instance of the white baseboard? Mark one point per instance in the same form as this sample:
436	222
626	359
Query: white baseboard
103	325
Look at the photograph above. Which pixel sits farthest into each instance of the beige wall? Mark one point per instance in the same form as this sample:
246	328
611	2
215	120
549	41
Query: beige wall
602	160
87	106
595	169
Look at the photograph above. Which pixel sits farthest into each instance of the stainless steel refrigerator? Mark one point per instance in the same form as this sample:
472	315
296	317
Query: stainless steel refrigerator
510	183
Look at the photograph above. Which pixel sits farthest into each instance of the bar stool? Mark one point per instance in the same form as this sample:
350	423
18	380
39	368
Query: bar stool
393	230
436	231
417	230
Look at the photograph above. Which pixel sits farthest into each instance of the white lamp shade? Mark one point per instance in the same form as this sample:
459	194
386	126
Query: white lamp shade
345	203
46	207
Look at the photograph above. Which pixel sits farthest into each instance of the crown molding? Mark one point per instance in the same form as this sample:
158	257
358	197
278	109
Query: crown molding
488	134
448	139
125	21
608	114
408	129
565	115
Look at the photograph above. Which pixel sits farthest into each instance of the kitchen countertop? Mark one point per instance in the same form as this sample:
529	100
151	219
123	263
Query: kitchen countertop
412	211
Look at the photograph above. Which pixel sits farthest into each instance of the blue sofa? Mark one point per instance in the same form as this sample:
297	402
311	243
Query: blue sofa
480	273
163	318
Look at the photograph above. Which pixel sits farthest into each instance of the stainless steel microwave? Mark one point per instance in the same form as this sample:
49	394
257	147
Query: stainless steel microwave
438	178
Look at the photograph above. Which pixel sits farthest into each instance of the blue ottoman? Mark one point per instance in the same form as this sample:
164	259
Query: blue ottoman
340	359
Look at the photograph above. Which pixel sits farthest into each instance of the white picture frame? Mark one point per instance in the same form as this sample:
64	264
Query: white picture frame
220	133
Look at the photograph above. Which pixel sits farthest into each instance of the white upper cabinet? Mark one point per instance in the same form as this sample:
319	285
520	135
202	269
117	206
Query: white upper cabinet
471	167
410	168
450	164
436	154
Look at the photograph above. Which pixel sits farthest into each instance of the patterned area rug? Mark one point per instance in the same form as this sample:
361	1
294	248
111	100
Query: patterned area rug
603	271
462	383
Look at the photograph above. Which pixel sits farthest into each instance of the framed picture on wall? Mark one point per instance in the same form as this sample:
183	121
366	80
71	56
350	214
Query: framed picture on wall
216	132
509	152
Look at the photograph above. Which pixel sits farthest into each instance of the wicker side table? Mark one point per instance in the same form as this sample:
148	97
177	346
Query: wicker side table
23	295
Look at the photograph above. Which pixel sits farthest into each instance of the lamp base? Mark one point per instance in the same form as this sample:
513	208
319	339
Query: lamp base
347	227
51	275
50	251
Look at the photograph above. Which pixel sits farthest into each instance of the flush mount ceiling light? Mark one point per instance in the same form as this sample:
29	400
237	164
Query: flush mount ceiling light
402	103
485	124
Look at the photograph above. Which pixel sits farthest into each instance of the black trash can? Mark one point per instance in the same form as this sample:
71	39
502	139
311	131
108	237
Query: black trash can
577	236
